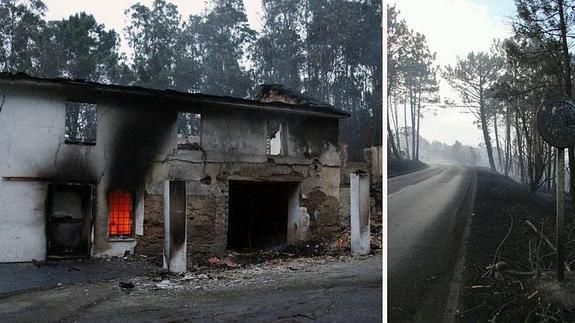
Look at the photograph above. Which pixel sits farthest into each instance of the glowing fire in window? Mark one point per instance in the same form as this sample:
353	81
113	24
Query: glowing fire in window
120	217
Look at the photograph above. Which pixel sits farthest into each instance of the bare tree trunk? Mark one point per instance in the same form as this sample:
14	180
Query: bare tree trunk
396	122
413	106
405	126
520	149
529	145
485	128
392	141
507	142
418	121
499	161
551	166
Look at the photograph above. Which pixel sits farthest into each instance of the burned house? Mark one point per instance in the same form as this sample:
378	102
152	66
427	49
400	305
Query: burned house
95	170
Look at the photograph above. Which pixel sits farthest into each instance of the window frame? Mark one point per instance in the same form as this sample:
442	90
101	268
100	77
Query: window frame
75	141
122	237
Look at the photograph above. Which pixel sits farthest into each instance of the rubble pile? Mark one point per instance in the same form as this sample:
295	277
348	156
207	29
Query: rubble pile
223	274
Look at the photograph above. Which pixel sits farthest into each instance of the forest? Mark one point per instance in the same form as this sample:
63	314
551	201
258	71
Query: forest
502	88
303	45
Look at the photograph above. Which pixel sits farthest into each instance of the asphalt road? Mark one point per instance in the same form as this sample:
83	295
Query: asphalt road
330	291
427	212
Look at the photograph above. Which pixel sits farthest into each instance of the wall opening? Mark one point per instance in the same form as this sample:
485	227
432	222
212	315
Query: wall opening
120	216
80	125
258	214
276	135
189	130
69	220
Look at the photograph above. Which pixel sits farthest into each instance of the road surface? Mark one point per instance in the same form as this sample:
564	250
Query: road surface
427	212
301	290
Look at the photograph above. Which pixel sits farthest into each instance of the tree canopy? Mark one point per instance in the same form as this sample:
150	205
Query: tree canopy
329	49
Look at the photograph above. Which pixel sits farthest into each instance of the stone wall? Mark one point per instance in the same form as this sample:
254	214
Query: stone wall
136	150
207	227
151	244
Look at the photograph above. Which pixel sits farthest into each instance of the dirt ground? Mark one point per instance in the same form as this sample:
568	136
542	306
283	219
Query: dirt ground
327	288
508	264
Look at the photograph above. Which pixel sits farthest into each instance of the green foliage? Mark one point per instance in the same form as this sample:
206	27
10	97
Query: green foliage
343	64
473	76
152	34
330	49
278	53
21	27
398	41
223	35
83	49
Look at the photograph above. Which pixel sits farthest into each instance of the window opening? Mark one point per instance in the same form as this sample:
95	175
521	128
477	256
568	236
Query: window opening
80	127
120	217
275	140
189	129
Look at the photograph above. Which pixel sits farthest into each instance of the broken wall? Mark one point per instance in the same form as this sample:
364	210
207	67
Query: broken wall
136	150
233	147
130	133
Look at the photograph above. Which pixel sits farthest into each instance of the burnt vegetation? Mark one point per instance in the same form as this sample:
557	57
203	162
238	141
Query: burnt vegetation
511	252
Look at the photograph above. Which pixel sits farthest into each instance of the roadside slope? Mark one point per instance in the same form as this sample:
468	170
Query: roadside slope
404	166
499	233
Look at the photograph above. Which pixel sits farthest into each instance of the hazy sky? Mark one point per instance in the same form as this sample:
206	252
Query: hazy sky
111	12
454	28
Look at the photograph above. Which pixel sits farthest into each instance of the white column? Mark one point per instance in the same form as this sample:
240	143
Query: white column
359	213
175	226
139	212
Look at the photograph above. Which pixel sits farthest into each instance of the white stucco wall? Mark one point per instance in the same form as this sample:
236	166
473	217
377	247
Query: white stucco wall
28	140
32	126
22	225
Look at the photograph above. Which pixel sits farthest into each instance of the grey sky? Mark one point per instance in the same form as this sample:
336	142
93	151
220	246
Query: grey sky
111	12
454	28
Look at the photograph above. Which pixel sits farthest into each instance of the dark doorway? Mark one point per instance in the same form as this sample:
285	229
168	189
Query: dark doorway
258	214
69	220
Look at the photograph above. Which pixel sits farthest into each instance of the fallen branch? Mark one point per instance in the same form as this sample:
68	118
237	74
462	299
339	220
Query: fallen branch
547	241
519	273
533	294
542	235
504	239
470	309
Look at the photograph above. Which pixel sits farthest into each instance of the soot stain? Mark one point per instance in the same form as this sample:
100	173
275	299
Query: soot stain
139	137
177	213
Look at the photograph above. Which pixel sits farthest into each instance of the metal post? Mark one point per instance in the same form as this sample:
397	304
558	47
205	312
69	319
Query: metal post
560	213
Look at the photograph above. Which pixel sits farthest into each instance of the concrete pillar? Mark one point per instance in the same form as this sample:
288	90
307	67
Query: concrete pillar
359	212
175	227
298	219
139	212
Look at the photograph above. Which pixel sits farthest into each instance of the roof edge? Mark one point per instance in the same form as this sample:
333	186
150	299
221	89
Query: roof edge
327	111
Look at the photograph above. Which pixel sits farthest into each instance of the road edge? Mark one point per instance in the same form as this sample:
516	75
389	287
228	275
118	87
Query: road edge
454	296
426	166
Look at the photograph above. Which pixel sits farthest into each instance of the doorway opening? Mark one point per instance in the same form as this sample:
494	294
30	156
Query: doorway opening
258	214
68	226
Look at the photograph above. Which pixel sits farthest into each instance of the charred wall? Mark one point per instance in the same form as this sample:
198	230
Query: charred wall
151	244
135	134
136	151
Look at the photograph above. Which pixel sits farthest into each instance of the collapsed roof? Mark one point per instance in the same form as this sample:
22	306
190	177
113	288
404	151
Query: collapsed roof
272	98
